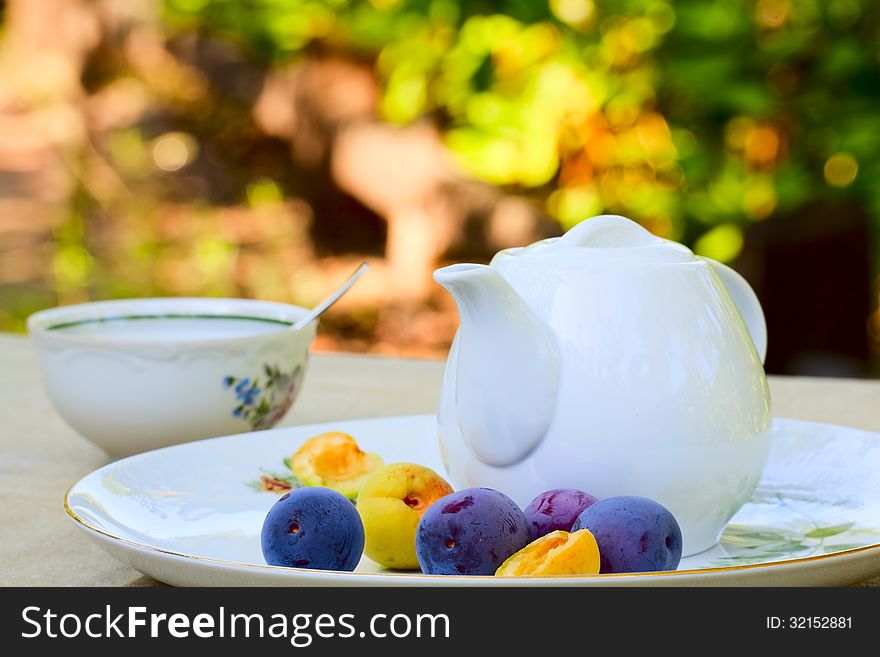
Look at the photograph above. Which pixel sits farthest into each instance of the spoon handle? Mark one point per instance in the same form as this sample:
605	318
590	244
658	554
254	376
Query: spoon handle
318	310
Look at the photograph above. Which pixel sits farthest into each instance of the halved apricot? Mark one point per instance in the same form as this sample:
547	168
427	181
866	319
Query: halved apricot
334	460
557	553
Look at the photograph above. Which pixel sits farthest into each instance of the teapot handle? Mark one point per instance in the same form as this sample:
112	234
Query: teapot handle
747	303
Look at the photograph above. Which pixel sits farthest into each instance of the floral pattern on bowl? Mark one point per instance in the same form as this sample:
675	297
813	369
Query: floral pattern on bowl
263	401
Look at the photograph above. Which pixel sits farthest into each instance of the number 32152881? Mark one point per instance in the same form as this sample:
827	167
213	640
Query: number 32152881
810	623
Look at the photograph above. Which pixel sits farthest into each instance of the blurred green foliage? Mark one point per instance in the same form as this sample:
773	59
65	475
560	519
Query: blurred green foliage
695	117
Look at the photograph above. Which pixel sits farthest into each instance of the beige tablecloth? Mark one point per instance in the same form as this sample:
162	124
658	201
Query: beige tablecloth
40	457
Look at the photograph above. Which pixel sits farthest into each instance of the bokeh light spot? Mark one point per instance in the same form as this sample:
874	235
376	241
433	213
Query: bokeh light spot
574	204
760	199
761	145
661	15
723	243
841	170
263	192
772	13
573	12
174	150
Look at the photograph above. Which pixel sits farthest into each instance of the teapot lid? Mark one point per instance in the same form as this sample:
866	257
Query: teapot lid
607	238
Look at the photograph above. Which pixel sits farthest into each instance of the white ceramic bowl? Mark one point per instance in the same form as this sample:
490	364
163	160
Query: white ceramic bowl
208	367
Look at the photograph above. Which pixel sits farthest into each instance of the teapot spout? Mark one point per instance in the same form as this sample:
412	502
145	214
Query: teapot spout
503	370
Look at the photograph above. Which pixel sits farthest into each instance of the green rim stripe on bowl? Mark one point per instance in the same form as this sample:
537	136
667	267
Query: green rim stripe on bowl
101	320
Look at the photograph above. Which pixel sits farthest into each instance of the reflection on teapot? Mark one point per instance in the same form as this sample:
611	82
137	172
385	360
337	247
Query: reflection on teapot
612	361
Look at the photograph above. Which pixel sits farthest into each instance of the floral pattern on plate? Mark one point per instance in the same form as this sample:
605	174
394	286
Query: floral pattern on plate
274	481
799	534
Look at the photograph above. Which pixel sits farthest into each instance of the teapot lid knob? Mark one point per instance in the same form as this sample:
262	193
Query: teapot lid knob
608	231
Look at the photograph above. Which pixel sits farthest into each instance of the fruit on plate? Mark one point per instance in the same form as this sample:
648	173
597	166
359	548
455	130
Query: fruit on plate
335	461
556	553
634	534
391	503
470	532
556	509
313	528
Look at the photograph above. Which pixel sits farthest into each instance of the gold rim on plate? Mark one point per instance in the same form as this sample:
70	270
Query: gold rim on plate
475	578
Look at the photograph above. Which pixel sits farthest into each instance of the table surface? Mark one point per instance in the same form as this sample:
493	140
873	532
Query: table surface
41	457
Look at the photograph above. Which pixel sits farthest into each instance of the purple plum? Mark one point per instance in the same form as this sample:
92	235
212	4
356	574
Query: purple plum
634	534
470	532
313	527
556	509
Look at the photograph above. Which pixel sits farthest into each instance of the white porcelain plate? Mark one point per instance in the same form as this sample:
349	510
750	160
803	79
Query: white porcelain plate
191	514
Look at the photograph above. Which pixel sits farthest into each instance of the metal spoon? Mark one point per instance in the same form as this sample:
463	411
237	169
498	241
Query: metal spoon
318	310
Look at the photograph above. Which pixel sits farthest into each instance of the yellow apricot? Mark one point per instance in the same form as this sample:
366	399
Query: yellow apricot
391	504
334	460
557	553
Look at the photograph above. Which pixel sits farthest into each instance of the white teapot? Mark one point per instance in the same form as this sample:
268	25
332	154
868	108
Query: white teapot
612	361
